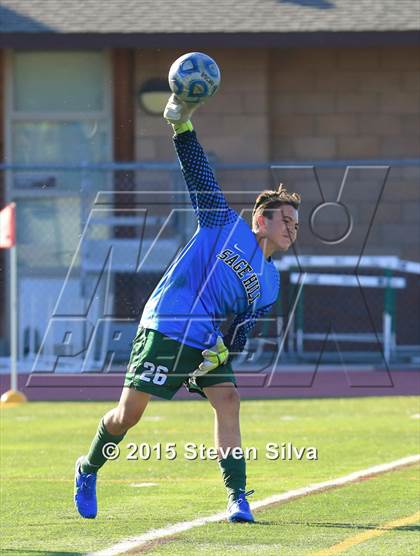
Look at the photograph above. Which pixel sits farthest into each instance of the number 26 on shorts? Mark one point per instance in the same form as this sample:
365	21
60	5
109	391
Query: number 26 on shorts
157	375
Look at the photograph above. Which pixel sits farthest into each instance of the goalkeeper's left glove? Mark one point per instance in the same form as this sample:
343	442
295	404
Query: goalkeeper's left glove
178	111
214	357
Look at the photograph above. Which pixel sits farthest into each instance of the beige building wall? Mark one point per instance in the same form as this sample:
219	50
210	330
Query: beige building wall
352	103
306	104
345	103
233	127
221	124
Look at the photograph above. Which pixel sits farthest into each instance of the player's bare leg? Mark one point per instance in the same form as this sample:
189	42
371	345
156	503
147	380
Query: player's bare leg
225	401
128	411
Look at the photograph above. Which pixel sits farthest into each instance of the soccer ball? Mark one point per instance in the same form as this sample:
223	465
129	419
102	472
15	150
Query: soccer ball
194	77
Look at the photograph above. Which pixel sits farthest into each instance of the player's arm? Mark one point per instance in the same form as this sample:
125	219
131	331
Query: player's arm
241	328
207	198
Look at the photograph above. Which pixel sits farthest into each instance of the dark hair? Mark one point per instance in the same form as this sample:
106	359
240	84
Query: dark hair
268	200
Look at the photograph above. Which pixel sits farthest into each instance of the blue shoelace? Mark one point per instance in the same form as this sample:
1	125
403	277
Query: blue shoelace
242	497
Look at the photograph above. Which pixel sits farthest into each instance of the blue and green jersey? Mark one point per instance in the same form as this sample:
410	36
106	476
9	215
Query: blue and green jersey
221	271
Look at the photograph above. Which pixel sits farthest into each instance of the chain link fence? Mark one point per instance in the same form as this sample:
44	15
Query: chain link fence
93	242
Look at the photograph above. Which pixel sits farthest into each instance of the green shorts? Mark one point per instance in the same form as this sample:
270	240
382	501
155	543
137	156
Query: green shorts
160	366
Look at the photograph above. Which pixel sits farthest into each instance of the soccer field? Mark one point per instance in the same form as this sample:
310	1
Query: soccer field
41	441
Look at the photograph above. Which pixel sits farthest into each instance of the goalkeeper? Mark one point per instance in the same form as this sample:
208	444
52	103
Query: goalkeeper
226	267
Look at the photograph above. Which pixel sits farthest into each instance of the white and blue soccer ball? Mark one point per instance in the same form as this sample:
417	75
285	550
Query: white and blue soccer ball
194	77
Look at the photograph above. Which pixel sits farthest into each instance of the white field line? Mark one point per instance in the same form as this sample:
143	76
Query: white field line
156	534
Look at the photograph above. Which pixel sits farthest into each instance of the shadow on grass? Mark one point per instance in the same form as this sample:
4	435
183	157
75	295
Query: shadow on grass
413	528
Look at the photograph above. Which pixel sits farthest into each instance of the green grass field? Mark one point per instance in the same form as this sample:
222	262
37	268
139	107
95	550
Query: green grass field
40	442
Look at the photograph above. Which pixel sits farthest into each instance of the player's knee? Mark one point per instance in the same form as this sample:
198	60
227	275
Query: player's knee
228	400
126	418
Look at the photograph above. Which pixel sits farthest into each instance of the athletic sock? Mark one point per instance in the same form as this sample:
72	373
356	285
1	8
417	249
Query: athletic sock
95	458
234	475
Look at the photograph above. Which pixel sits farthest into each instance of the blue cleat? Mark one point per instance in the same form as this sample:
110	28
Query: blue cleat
239	510
85	492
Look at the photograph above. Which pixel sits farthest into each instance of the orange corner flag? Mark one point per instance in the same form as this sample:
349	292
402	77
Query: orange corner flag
8	226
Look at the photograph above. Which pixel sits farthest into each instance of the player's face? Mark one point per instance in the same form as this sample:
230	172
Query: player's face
282	228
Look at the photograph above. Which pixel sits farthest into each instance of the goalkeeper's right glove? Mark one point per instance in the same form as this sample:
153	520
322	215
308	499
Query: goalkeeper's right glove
178	111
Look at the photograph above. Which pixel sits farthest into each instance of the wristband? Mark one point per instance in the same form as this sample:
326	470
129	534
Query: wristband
182	128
